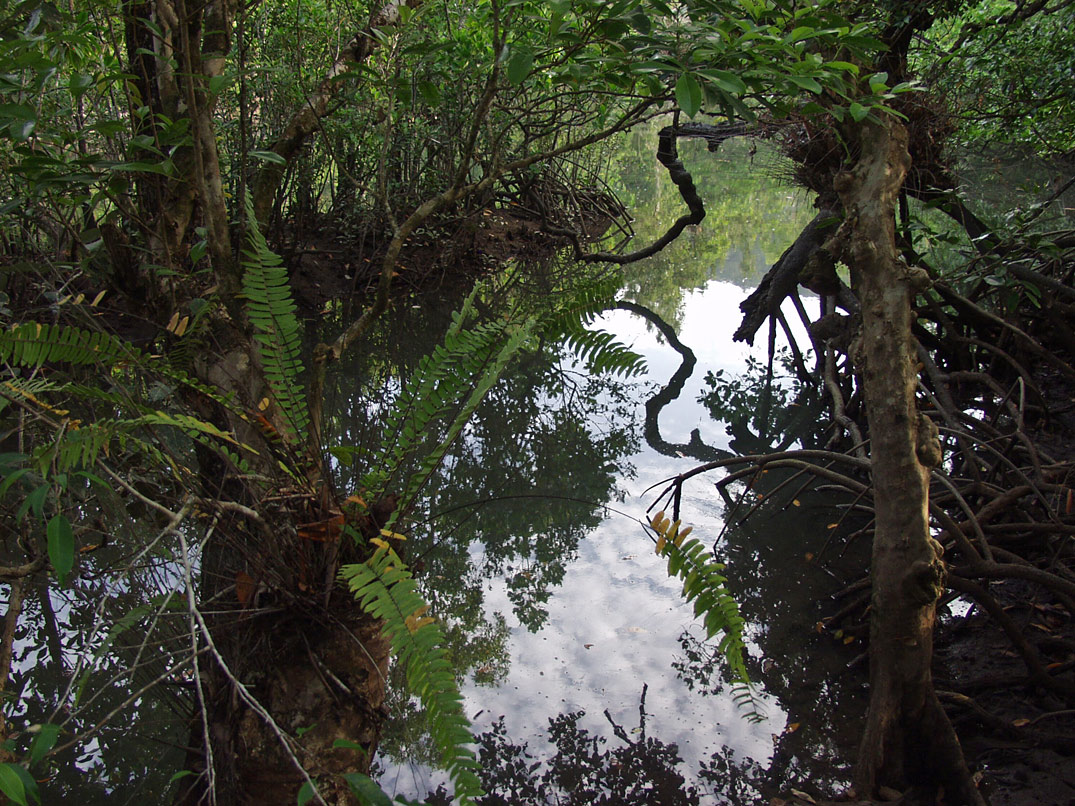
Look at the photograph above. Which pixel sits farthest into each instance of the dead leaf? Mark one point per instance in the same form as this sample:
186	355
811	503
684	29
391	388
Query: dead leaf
326	531
803	796
809	556
1020	722
796	503
244	588
794	726
587	646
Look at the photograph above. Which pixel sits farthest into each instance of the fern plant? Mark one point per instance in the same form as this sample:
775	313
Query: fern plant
440	398
276	328
572	318
705	585
386	590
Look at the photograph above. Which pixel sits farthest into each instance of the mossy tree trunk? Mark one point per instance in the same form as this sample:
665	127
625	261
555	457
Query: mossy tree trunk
908	744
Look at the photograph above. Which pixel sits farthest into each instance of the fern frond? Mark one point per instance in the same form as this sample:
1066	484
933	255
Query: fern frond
33	344
600	350
441	395
276	328
705	585
385	589
482	384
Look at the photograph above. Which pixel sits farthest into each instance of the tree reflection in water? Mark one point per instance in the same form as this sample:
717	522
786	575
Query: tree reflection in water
630	768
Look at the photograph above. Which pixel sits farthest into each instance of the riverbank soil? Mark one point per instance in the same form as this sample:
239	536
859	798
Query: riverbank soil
1019	737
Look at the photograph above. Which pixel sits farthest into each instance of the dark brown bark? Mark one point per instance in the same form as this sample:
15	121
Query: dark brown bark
908	743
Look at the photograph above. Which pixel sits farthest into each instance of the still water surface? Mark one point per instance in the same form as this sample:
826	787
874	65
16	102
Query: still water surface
569	616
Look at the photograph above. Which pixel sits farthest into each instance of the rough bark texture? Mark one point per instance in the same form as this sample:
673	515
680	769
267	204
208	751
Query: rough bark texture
908	744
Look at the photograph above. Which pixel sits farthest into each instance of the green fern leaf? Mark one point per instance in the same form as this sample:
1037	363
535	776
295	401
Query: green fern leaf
386	590
276	328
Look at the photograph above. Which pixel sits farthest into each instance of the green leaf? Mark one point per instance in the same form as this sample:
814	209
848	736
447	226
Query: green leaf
11	784
35	501
878	83
306	794
366	789
197	252
520	63
267	156
79	83
729	82
806	83
851	68
23	129
61	546
348	744
217	84
43	742
11	479
688	95
430	92
858	111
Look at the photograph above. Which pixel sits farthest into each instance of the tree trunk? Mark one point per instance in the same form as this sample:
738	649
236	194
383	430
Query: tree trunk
908	743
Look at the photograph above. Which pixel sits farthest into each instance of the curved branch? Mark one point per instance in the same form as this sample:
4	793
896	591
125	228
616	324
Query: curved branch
782	279
668	156
670	392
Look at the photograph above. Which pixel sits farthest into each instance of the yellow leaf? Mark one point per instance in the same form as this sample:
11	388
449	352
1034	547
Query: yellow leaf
80	299
414	625
181	328
1020	722
263	404
849	639
681	535
660	543
832	526
657	519
97	299
796	503
170	327
415	621
393	535
378	542
794	726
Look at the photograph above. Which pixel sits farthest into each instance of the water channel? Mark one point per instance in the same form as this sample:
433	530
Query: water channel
581	664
